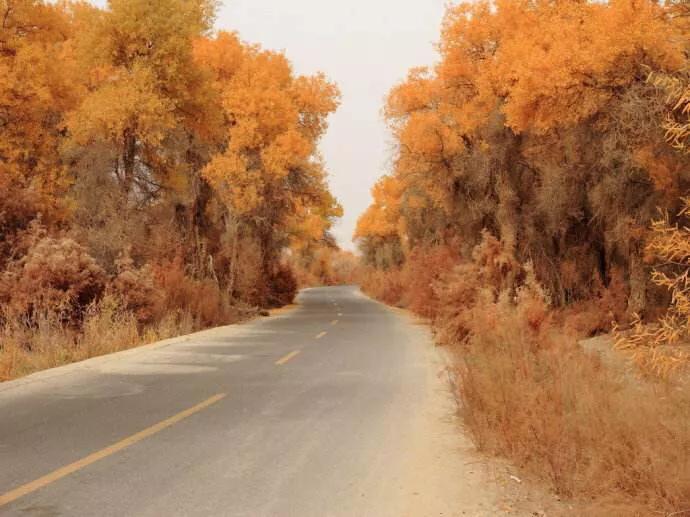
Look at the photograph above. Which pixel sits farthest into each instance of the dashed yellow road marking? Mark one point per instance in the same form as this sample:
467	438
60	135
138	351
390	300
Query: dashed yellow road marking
340	314
62	472
320	335
285	359
334	322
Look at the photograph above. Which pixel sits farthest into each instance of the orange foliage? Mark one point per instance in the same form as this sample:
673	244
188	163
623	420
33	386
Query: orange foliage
269	173
56	276
34	92
422	274
539	126
324	264
152	175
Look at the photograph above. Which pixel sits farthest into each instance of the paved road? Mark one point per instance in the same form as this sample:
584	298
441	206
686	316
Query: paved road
328	409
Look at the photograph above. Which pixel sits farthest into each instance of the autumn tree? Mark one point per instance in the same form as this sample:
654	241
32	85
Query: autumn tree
35	92
379	227
538	125
142	85
269	175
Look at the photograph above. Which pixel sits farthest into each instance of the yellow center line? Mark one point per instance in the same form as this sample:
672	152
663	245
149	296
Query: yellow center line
334	322
319	336
285	359
62	472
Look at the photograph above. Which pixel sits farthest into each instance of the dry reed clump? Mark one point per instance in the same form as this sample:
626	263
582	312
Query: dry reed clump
108	326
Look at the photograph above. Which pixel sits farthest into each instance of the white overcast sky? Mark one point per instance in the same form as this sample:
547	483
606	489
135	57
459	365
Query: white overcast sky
366	47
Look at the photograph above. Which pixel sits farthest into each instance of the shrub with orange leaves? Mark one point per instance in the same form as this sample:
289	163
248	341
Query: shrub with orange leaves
183	296
283	286
384	285
137	289
56	276
423	270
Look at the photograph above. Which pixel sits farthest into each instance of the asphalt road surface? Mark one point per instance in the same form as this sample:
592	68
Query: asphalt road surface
335	407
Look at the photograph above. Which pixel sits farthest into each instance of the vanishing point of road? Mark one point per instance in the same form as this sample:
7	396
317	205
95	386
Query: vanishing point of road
338	406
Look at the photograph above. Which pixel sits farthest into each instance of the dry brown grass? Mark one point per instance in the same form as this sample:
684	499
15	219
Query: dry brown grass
386	286
537	399
48	342
108	326
531	394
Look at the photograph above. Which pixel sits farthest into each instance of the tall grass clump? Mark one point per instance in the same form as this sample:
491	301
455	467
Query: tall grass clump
530	393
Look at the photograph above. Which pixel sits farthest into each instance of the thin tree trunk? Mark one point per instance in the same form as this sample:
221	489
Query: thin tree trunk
233	257
128	159
638	283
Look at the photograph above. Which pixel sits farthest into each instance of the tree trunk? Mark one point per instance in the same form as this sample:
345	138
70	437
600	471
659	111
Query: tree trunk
638	283
234	252
129	151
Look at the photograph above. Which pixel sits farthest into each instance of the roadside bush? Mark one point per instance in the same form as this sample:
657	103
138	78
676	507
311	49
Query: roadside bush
491	271
56	276
283	286
422	270
384	285
201	300
247	283
137	289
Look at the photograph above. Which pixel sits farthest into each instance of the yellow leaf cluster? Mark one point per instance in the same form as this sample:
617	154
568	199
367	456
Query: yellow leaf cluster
269	171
